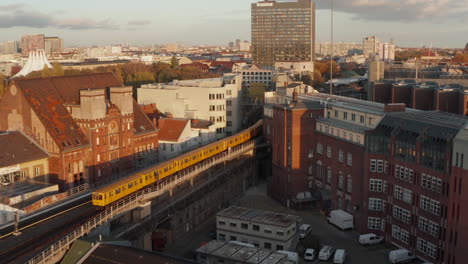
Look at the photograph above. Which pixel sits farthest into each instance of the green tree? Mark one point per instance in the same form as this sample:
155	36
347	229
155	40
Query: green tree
174	62
57	69
46	72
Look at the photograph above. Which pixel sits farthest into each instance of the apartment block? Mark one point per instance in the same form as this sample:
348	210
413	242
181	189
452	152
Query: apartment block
283	31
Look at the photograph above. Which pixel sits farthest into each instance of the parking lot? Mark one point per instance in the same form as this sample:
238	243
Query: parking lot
327	234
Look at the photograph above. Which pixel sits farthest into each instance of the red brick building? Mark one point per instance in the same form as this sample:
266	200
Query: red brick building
400	172
91	126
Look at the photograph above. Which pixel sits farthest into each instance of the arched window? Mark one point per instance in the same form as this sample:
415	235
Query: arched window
340	180
349	184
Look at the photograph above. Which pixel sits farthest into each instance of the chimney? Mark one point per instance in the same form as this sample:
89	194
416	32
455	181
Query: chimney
294	96
399	107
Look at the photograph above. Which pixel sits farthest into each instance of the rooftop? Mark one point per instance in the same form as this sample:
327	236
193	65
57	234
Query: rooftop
343	125
171	129
258	216
17	148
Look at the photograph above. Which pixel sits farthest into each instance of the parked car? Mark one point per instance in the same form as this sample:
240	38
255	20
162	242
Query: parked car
310	254
340	256
400	256
304	230
325	253
370	239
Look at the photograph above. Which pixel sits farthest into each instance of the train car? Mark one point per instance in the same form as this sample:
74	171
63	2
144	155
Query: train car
124	187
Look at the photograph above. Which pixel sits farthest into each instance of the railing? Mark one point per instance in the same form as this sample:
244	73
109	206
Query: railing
132	201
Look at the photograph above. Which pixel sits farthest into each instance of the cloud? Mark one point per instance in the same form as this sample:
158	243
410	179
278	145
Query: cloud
139	22
20	16
86	23
400	10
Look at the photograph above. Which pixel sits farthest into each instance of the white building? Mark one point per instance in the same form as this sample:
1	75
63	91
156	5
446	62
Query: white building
295	67
255	74
387	51
370	45
263	229
178	136
215	99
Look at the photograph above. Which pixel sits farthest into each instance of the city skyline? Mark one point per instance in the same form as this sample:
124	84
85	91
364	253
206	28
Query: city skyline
218	22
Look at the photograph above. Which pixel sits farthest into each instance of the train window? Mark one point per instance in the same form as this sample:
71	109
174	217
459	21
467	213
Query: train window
186	160
141	180
117	191
165	169
130	185
136	182
155	174
100	197
146	177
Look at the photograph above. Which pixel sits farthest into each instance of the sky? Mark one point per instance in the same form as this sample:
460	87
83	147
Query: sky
444	23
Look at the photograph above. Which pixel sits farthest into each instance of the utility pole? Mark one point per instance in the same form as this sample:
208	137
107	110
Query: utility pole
332	53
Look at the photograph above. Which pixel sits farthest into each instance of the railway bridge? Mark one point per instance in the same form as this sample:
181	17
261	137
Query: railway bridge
181	201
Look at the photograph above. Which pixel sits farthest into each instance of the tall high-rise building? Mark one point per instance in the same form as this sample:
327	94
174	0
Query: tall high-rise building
283	32
53	44
32	43
370	45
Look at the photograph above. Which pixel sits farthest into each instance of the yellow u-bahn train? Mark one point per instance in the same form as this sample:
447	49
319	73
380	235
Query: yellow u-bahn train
124	187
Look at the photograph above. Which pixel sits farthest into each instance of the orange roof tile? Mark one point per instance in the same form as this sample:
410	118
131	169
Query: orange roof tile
171	129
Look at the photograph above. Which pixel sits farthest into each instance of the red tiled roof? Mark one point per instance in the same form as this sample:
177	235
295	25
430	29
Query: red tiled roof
199	65
141	122
47	97
17	148
227	64
171	129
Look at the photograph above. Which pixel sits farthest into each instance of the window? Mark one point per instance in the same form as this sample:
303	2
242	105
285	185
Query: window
428	226
229	124
345	115
429	205
340	181
375	185
228	92
373	223
280	233
279	247
222	237
349	159
37	171
373	165
336	113
427	248
232	224
375	204
233	238
401	214
380	167
431	183
97	141
267	231
329	175
349	184
98	158
244	226
400	234
228	103
319	148
329	151
407	196
228	113
340	156
256	228
267	245
361	119
398	192
353	117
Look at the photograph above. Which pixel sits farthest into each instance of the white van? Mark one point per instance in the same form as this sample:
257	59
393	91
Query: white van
370	239
340	256
304	230
310	254
400	256
292	256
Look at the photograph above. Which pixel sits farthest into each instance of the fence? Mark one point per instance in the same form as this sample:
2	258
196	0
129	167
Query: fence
56	250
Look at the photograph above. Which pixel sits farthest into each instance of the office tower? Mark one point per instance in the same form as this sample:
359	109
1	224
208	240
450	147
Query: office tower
238	43
370	45
53	44
283	32
32	43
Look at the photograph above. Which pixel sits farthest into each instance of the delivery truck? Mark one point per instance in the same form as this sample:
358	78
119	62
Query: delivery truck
341	219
